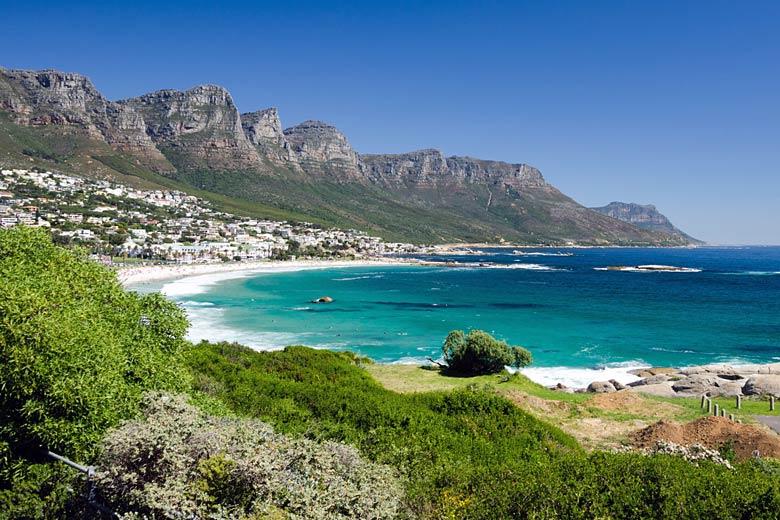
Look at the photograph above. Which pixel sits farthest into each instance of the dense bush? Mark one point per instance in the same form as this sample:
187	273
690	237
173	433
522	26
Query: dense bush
473	454
76	354
179	462
478	353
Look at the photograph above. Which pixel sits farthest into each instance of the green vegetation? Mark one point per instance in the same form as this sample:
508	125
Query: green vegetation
478	353
469	453
76	353
260	434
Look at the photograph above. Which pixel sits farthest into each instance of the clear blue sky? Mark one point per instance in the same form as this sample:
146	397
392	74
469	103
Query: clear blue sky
672	103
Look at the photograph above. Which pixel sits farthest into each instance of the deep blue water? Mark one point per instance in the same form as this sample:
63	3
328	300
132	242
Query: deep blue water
572	316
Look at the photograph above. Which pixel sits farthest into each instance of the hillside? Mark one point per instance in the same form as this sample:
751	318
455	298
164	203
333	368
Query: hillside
198	141
644	216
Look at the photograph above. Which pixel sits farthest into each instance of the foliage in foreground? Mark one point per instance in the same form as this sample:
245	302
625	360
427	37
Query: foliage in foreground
76	354
178	462
472	454
478	353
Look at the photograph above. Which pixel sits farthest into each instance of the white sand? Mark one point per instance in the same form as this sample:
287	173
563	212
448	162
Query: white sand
137	275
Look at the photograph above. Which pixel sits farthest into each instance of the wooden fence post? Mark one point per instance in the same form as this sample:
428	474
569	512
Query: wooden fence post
739	402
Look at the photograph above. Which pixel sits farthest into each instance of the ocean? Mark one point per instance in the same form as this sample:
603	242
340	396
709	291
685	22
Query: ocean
581	319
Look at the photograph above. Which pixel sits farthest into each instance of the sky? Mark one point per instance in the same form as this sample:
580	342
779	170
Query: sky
671	103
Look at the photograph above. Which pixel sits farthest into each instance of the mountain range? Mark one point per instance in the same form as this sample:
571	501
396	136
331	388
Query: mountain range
197	140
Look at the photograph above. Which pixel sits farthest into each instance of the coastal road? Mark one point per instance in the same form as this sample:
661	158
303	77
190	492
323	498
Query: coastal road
773	421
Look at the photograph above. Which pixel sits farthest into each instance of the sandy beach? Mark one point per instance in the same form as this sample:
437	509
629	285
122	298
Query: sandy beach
135	275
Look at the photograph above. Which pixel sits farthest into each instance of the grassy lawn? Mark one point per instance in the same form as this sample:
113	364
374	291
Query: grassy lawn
596	420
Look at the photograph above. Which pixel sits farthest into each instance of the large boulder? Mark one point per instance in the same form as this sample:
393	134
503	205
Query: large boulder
711	384
601	387
651	380
658	389
699	383
762	384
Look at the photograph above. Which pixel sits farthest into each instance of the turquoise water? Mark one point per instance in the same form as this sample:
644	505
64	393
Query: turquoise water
574	317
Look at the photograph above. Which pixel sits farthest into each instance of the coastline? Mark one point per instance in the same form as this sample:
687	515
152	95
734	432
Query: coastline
136	275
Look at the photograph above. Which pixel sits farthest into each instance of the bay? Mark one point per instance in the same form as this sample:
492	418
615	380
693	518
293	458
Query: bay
580	321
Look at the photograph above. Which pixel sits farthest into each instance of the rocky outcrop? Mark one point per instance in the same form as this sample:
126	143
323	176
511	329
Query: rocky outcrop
50	97
321	148
710	380
197	128
645	217
760	384
264	130
601	387
430	167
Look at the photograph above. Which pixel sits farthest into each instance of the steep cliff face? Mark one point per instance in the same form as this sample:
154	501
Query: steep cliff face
643	216
321	148
430	168
310	170
50	97
199	128
264	130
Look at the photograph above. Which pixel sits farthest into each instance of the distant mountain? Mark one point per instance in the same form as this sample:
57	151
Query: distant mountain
198	141
644	216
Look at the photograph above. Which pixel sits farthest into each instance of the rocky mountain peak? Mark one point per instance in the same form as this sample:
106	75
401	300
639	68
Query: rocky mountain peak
645	216
46	97
322	142
50	97
201	124
264	130
262	125
430	166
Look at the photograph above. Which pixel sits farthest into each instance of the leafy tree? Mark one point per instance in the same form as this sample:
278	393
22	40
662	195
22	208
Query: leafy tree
479	353
76	353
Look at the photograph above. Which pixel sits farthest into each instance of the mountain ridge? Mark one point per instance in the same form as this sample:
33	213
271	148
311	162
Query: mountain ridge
198	138
645	216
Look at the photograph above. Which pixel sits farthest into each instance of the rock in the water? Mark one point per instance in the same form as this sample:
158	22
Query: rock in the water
324	299
762	384
601	387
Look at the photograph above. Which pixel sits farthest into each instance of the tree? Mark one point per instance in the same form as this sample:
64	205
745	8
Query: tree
76	353
479	353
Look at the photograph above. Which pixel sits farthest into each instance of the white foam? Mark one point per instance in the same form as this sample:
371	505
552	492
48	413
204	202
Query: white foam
523	253
411	360
650	269
365	277
582	377
530	267
201	283
207	324
192	285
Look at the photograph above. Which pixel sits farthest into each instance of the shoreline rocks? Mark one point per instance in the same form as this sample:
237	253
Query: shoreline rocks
710	380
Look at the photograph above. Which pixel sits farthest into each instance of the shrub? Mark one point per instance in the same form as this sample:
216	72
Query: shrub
480	353
180	462
76	353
